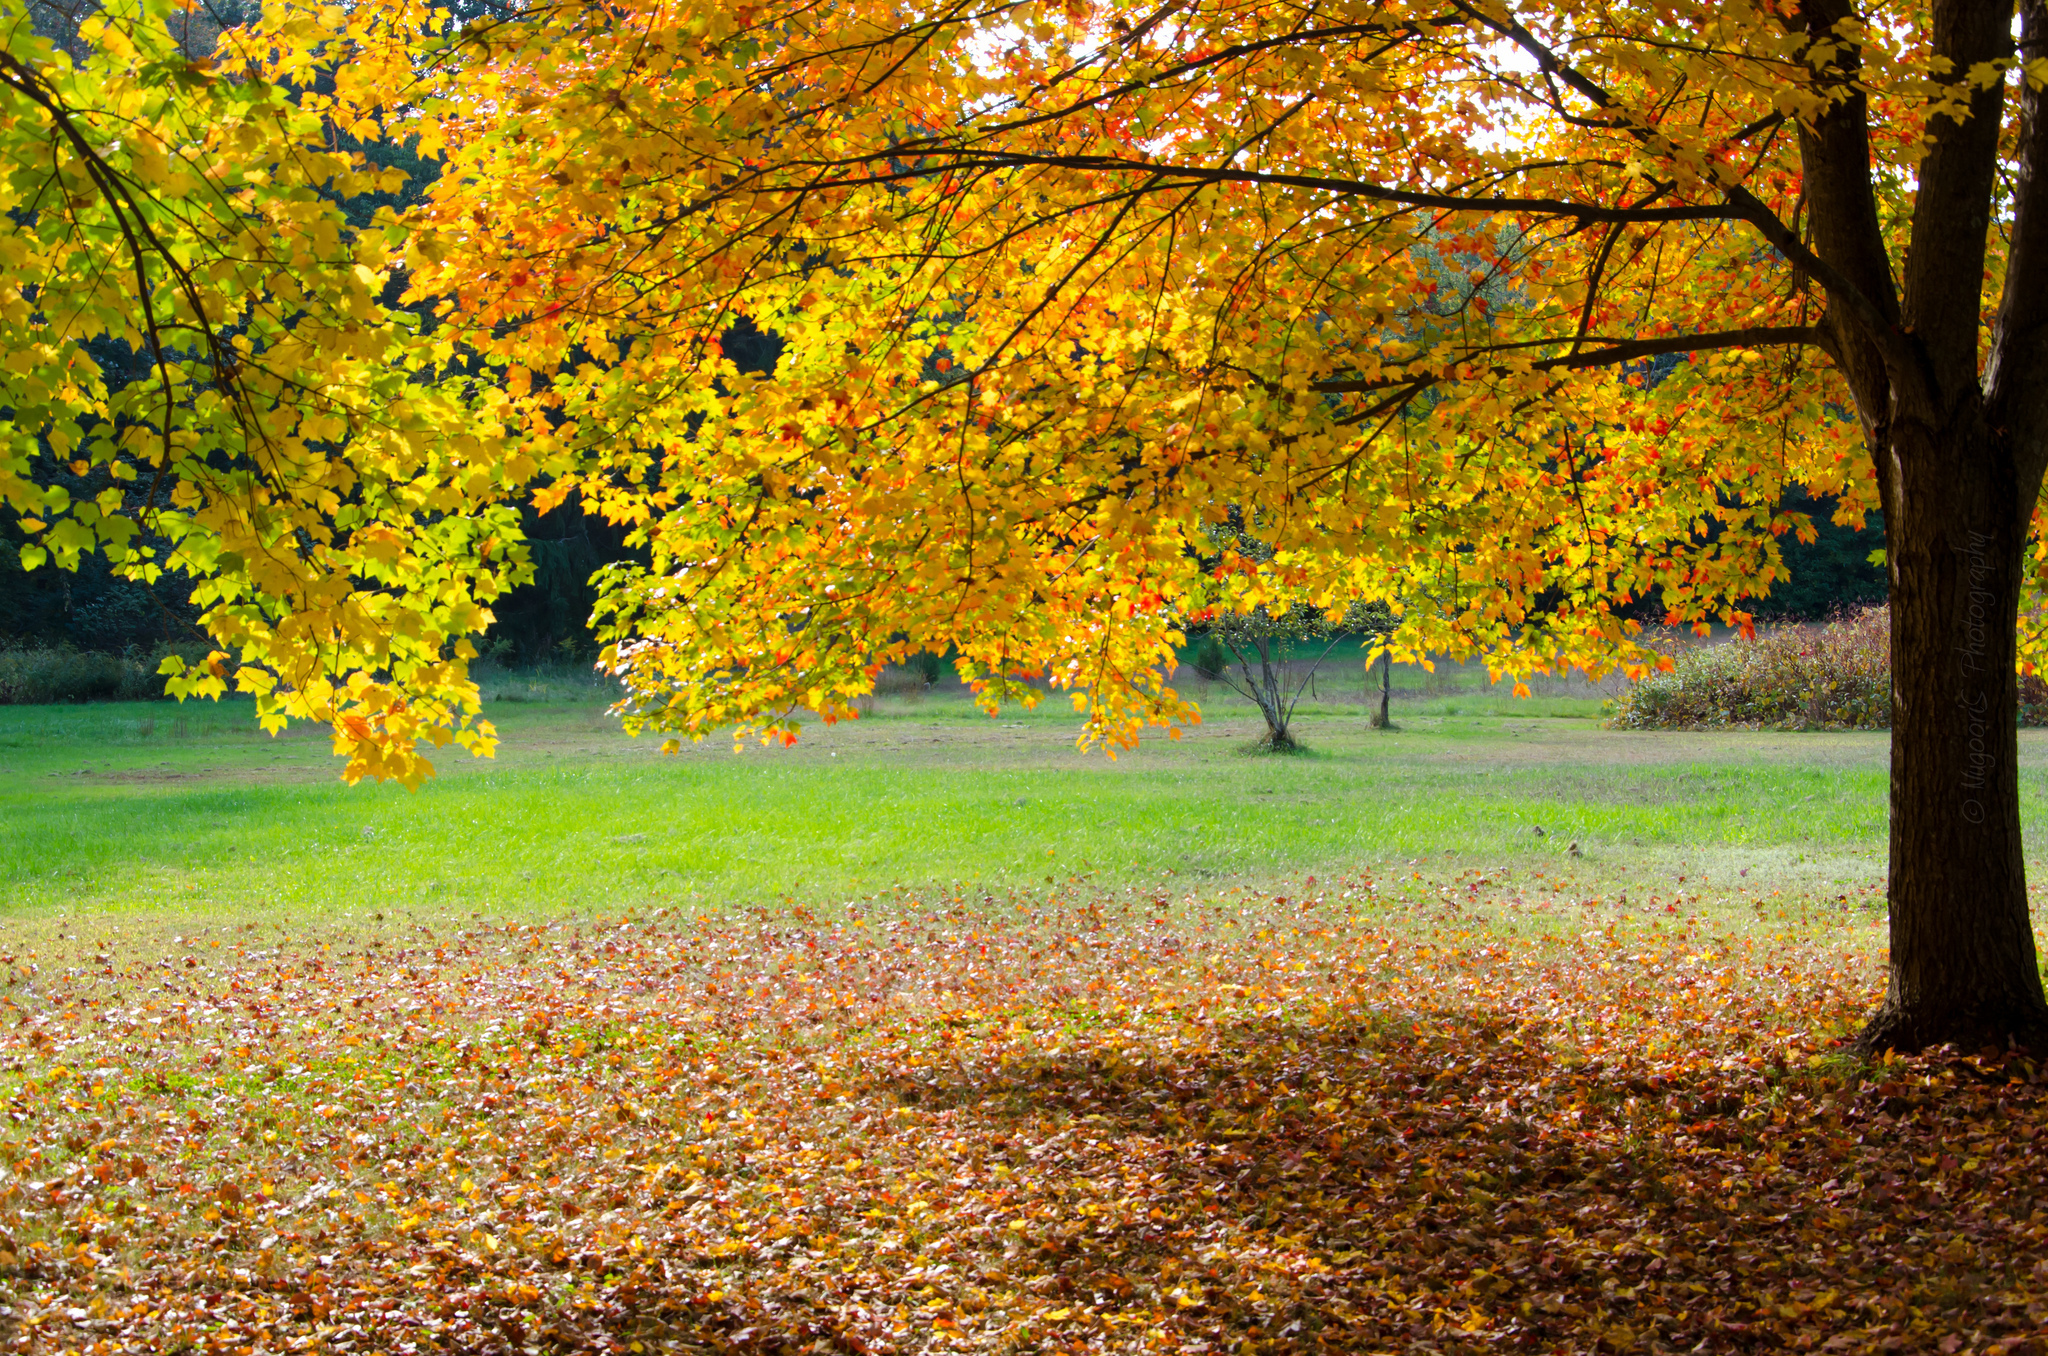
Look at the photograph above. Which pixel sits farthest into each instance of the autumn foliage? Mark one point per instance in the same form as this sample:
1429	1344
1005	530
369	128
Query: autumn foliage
1062	286
288	444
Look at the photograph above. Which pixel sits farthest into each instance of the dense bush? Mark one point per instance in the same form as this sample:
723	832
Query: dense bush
37	675
1832	676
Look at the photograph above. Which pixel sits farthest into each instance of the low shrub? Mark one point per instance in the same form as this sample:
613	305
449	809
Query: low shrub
2033	701
895	681
34	676
1832	676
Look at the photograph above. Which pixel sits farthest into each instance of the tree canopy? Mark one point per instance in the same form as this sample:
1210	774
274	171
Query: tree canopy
1061	286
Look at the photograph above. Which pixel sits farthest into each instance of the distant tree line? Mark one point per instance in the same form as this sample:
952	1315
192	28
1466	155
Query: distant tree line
1830	573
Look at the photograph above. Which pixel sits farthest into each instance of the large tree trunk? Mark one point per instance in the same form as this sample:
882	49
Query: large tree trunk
1959	438
1963	967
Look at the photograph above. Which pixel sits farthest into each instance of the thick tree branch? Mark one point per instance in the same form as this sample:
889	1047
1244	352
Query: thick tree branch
1613	353
1546	59
1844	229
1866	311
1871	308
1952	211
2016	397
1168	174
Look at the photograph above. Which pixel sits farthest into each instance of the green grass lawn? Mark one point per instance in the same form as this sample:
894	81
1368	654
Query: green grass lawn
159	807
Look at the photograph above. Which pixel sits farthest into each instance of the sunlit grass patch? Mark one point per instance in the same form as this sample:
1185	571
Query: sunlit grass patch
114	810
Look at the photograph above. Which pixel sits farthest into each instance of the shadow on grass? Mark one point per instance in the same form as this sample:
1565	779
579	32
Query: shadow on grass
1384	1187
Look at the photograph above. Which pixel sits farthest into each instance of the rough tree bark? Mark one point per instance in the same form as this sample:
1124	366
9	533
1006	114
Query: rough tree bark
1959	447
1963	966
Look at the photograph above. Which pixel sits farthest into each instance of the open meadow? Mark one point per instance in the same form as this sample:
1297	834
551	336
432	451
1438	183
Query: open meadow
932	1034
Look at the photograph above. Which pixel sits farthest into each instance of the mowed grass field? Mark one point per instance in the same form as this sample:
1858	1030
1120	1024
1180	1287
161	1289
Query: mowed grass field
933	1034
151	808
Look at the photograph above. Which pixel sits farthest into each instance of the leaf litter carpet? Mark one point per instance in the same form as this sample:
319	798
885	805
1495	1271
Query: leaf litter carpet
1084	1122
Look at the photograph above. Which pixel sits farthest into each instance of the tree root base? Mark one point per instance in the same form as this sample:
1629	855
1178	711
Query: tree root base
1894	1029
